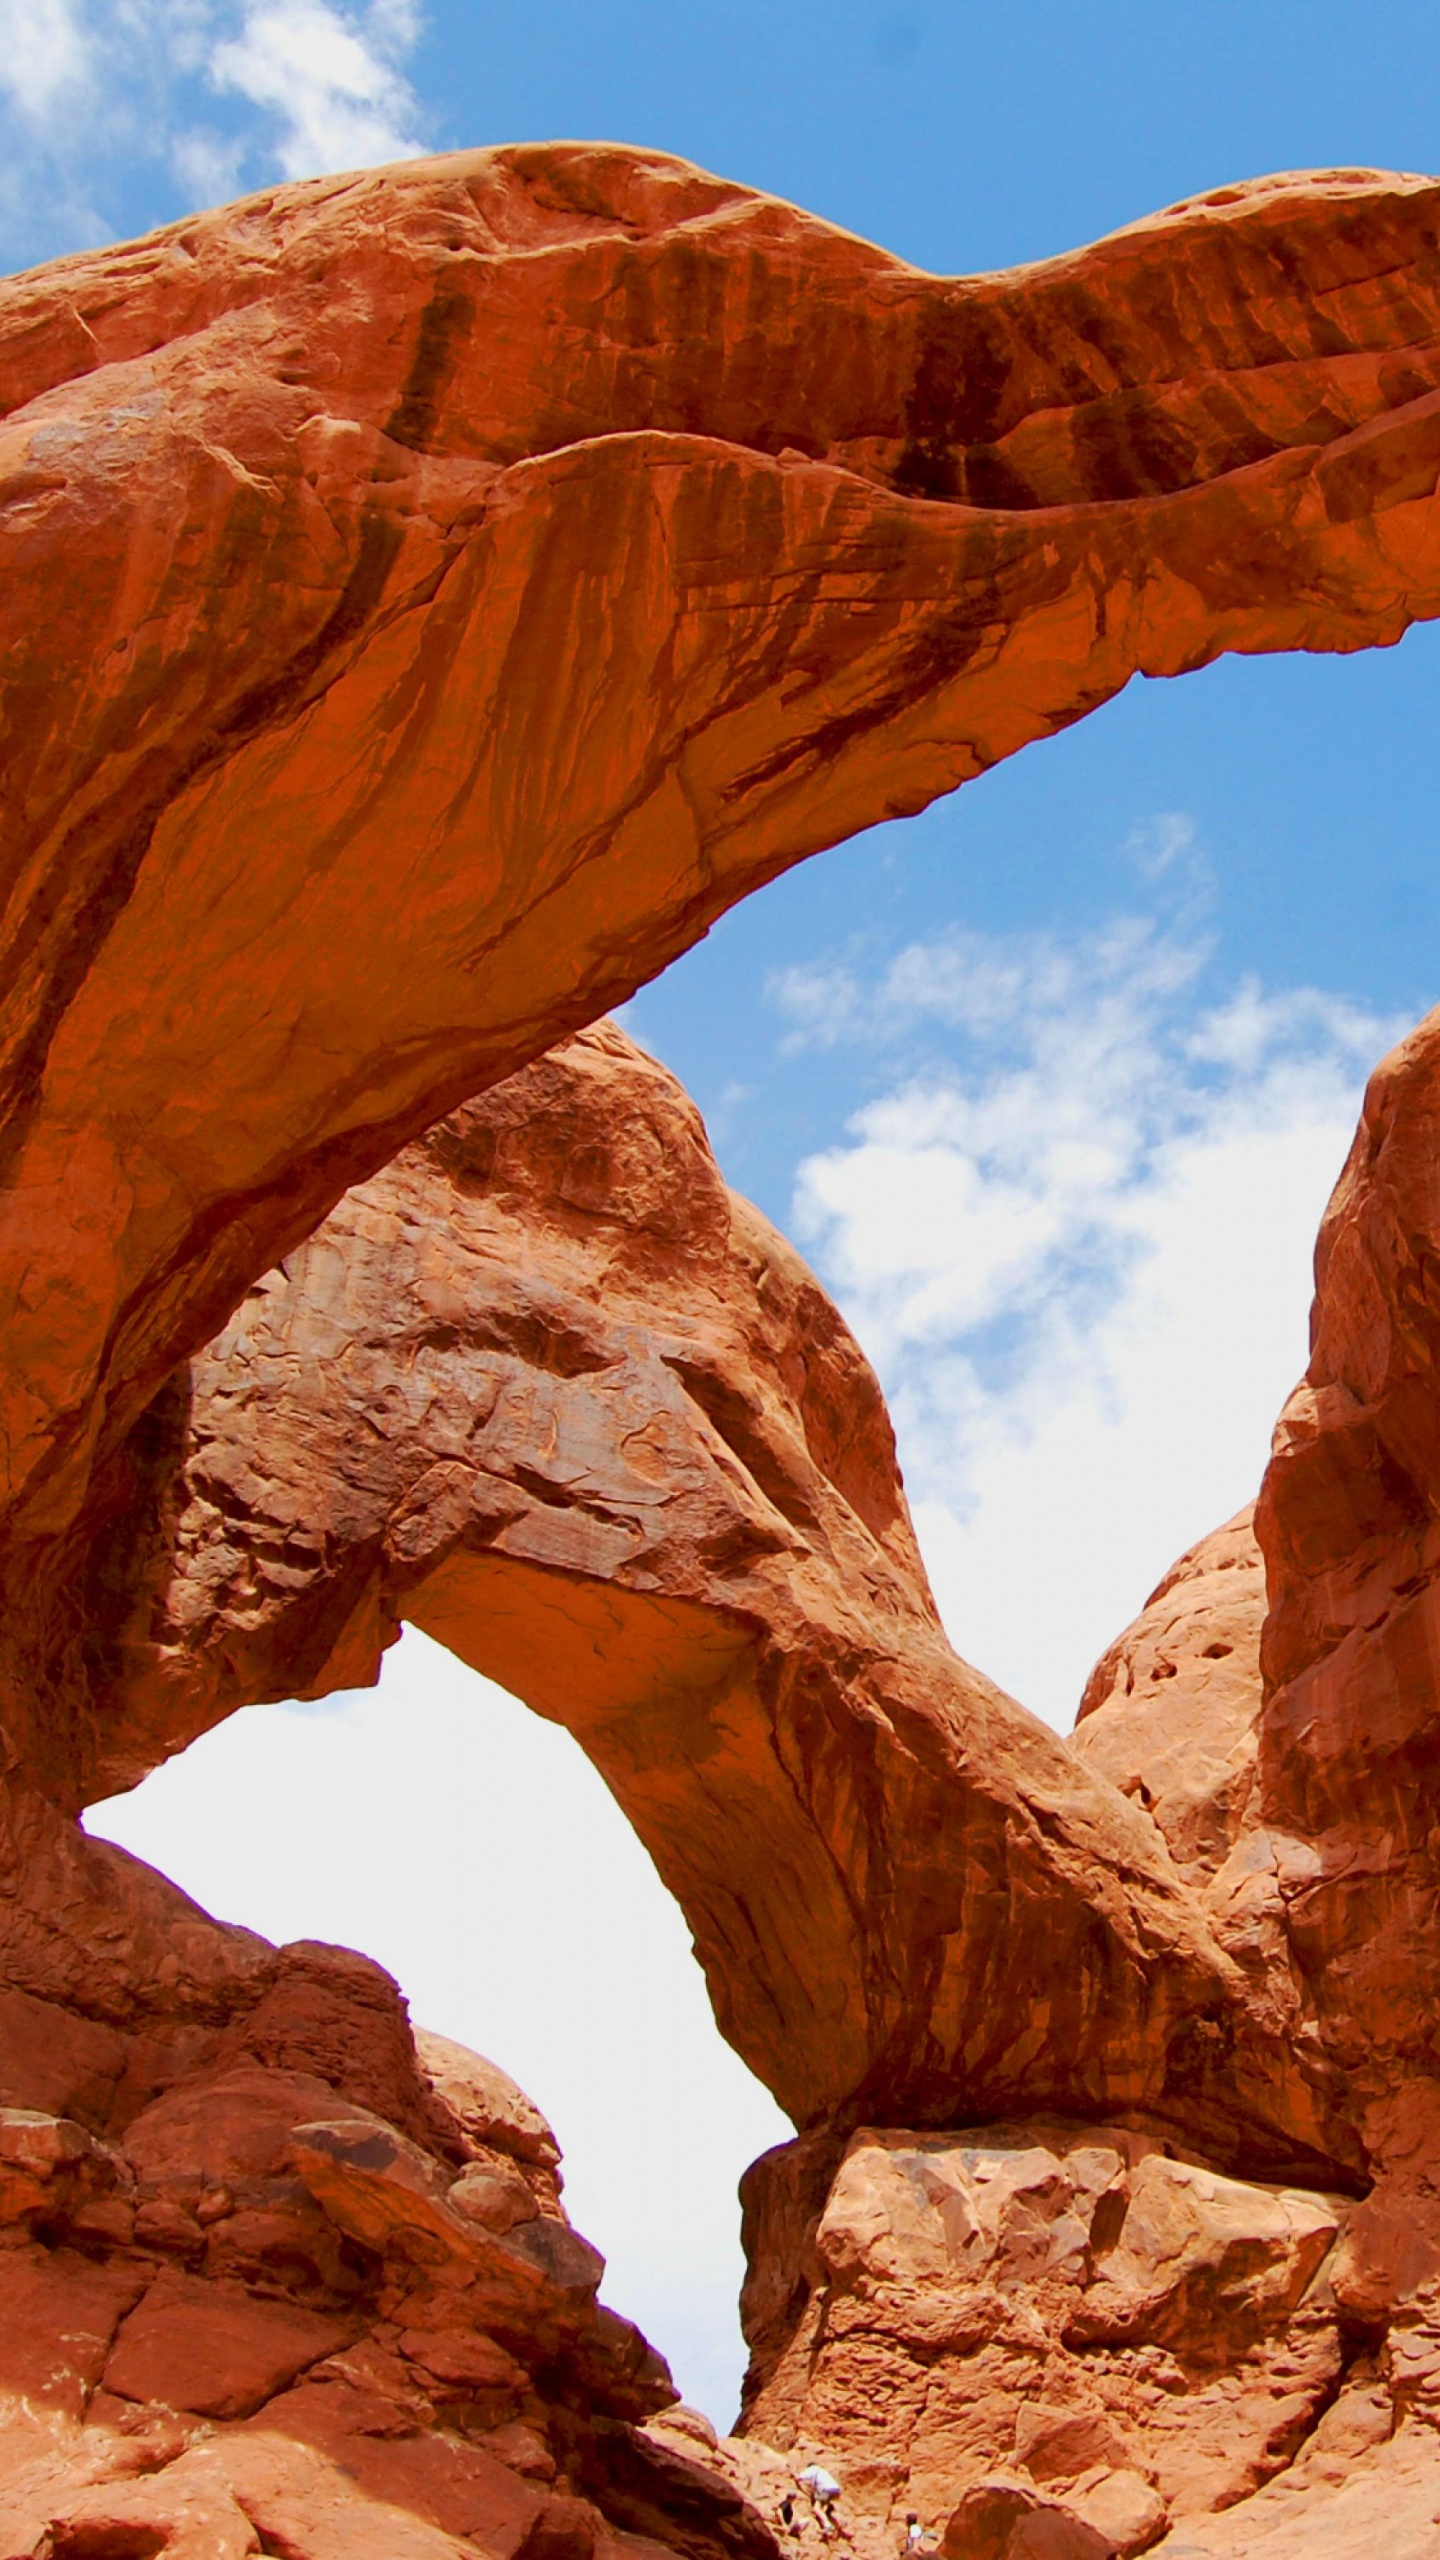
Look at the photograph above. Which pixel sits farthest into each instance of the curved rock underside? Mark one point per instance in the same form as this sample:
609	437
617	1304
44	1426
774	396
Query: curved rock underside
462	582
431	598
548	1390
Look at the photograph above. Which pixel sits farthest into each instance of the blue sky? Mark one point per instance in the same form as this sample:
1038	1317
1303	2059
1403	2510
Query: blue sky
1051	1083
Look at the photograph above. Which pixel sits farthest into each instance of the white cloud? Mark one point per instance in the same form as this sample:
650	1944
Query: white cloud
474	1851
331	80
44	54
1167	846
1078	1248
117	113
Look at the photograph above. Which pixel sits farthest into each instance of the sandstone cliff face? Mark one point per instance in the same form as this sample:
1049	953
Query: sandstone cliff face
428	599
279	2276
1120	2337
1348	1738
1170	1714
546	1388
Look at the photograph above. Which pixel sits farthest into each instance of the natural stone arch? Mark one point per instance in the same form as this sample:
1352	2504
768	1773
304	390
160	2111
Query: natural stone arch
429	599
548	1390
500	543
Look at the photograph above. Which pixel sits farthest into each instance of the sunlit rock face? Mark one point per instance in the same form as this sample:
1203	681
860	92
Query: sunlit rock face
278	2275
1127	2337
429	599
551	1391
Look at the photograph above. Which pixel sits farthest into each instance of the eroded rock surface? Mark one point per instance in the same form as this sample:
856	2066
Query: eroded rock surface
1170	1715
549	1390
1316	1799
429	598
459	584
1348	1759
314	2293
1016	2319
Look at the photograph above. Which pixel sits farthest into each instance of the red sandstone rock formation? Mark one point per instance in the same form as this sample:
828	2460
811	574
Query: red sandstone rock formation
548	1390
465	582
1349	1733
428	599
1170	1713
1306	1816
1119	2335
283	2278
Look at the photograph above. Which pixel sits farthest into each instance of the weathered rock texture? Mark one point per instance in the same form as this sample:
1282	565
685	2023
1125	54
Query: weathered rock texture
428	599
1348	1737
1316	1860
1170	1714
277	2276
549	1390
912	2308
1122	2334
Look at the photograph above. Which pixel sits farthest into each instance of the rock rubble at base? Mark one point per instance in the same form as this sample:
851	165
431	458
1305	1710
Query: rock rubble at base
1131	2336
256	2315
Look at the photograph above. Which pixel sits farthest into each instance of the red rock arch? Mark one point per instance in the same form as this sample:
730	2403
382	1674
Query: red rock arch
430	598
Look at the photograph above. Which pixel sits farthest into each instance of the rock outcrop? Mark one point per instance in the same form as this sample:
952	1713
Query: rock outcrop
1040	2318
546	1388
1348	1737
428	599
276	2275
1171	1714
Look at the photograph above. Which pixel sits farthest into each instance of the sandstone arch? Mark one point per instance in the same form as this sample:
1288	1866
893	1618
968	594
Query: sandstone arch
547	1389
457	584
430	599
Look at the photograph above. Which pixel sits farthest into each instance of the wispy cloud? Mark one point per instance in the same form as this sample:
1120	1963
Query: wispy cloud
116	112
1076	1238
331	84
44	54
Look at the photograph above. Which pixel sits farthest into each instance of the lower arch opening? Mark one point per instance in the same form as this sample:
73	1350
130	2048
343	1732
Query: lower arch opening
473	1850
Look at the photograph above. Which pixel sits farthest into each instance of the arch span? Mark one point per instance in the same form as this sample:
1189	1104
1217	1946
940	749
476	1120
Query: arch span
428	599
549	1390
